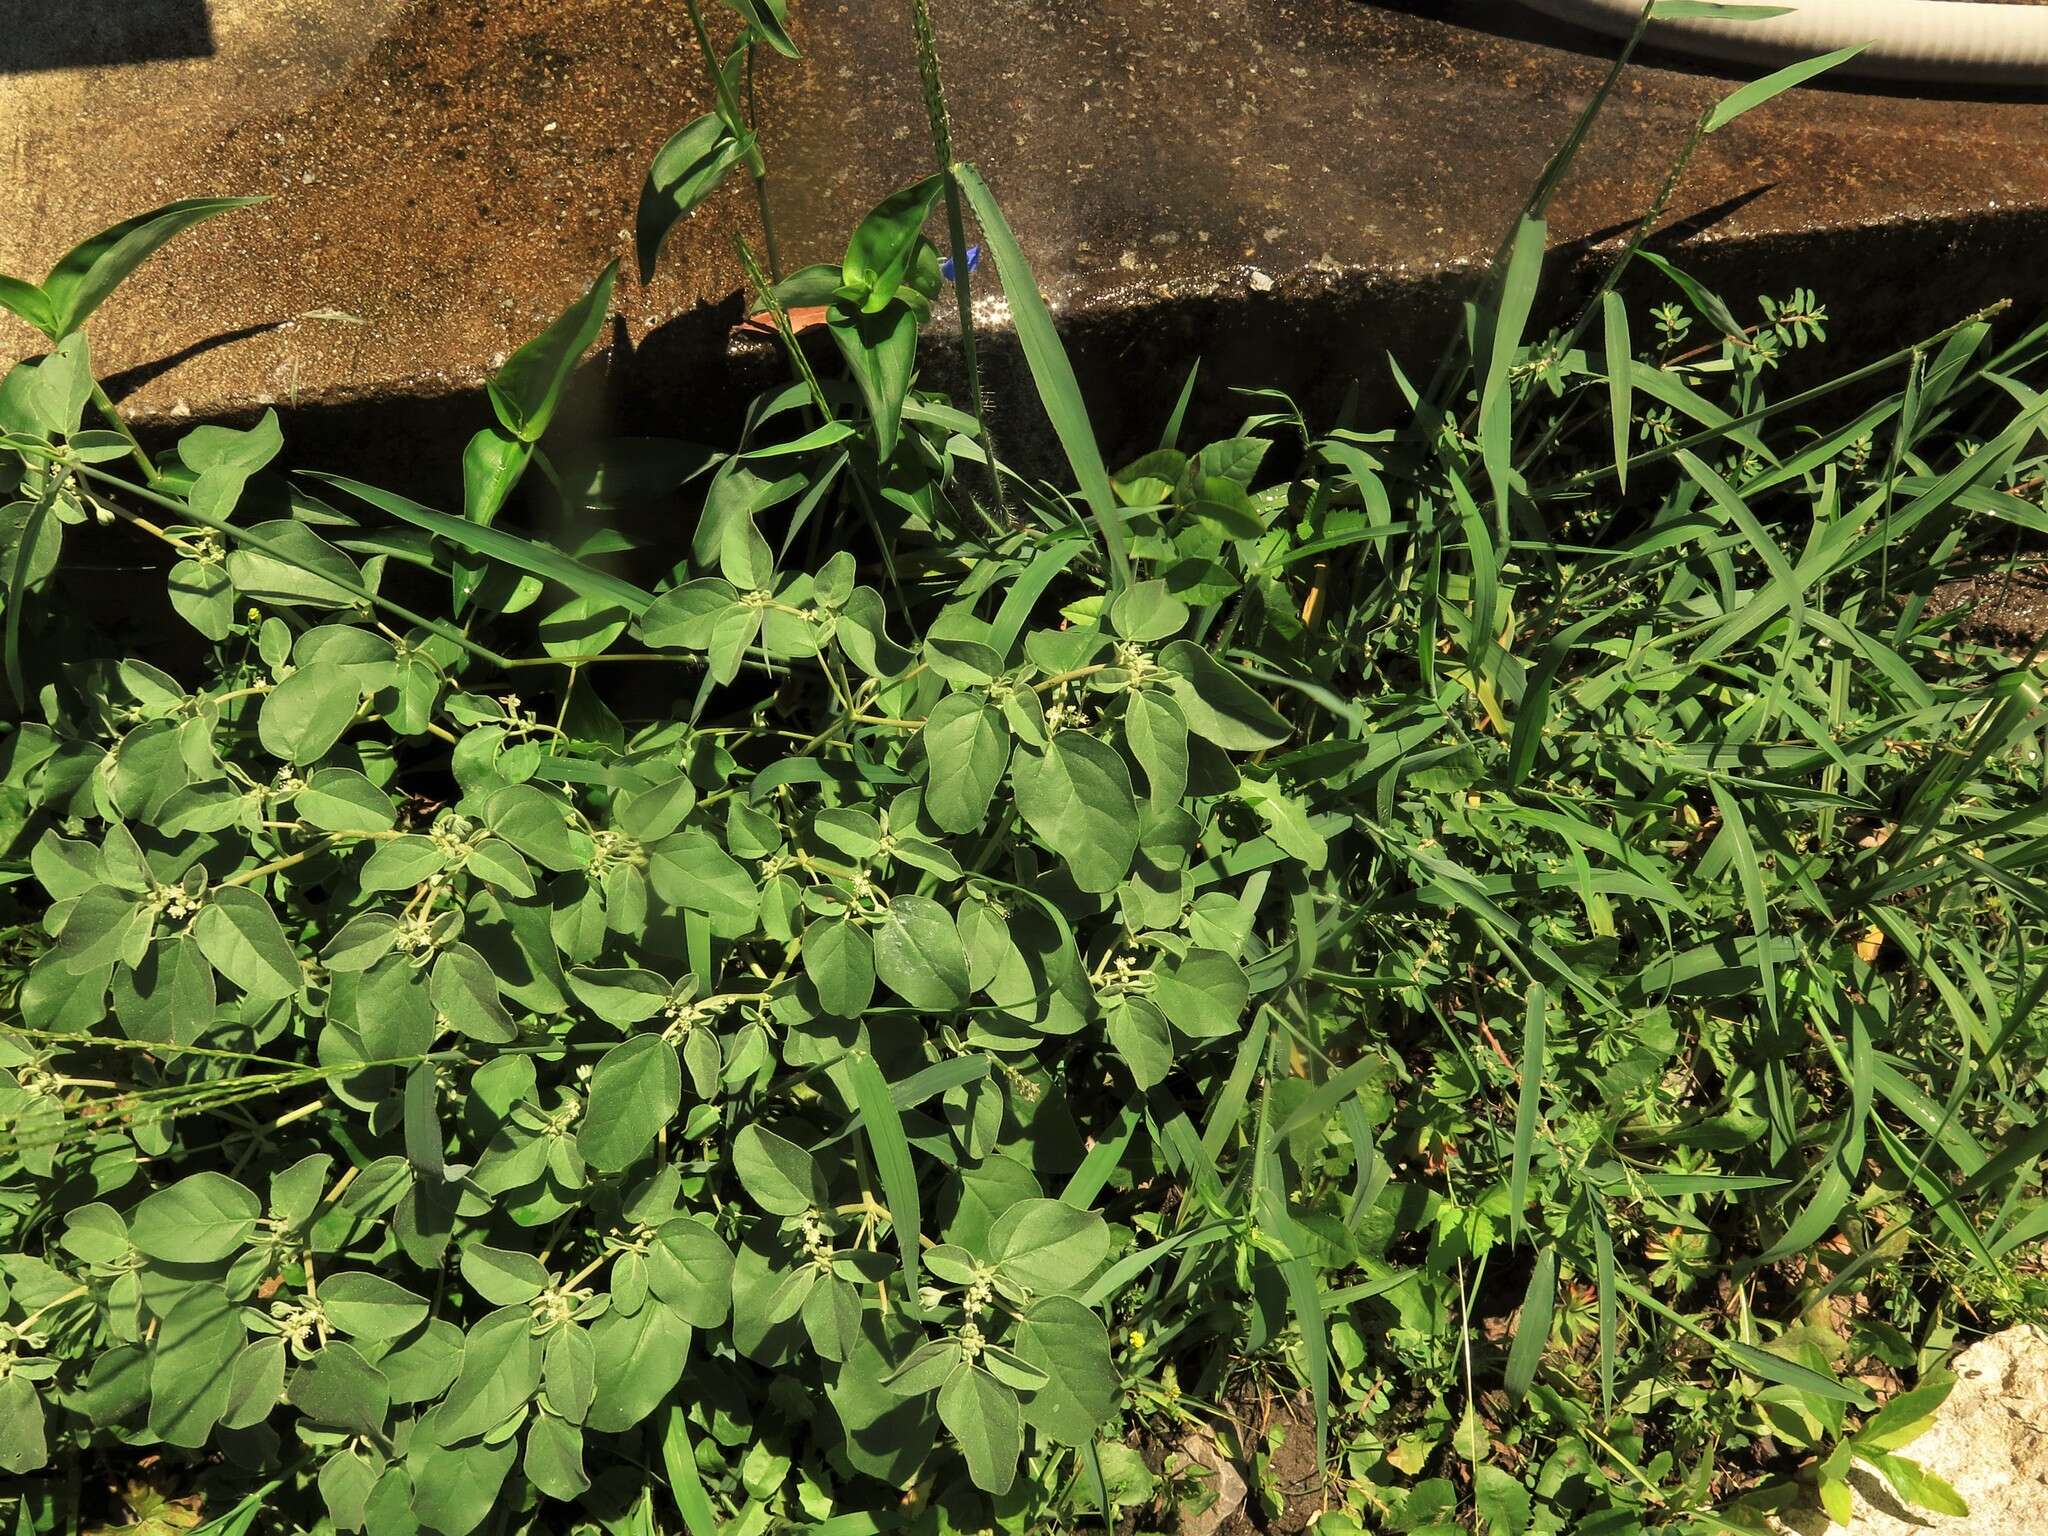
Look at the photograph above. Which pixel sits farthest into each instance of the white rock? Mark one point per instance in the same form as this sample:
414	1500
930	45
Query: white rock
1989	1442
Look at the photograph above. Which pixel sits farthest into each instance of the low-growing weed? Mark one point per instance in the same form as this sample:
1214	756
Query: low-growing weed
1481	967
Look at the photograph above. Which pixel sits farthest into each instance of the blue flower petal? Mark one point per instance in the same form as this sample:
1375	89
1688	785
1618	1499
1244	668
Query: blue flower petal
946	268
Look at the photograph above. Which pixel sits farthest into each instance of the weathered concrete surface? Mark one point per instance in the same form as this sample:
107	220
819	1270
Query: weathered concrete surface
1286	187
1989	1442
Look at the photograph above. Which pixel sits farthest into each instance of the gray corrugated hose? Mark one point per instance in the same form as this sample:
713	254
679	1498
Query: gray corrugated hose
1957	42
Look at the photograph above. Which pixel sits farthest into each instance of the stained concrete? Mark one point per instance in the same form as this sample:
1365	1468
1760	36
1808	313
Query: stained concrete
1286	187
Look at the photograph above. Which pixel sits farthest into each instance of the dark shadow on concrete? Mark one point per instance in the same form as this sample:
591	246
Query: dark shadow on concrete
128	380
84	34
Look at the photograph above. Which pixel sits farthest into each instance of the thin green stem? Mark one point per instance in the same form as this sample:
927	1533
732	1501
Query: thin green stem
104	403
735	120
956	238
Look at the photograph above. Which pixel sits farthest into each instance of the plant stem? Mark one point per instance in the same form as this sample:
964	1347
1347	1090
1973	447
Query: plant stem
106	407
956	237
735	121
783	329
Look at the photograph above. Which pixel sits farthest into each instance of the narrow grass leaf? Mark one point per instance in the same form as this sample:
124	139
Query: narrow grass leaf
1058	390
1757	92
883	1123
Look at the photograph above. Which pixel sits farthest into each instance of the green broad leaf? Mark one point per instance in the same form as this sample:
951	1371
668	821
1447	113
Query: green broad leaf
690	871
288	564
341	1389
203	1218
295	1190
240	935
1067	1341
496	862
400	863
640	1358
1907	1413
839	959
205	449
1917	1486
766	18
499	1374
1218	705
83	276
1757	92
202	595
527	389
983	1417
224	460
367	1306
1138	1032
623	998
880	348
346	1481
1048	1246
24	1443
1156	732
1076	796
689	1268
343	800
967	749
191	1369
1058	390
553	1462
306	714
256	1384
455	1488
878	255
28	302
684	171
96	1233
919	956
1203	993
464	990
493	463
635	1090
100	928
568	1372
34	556
1224	505
537	824
1532	1326
505	1277
688	617
778	1175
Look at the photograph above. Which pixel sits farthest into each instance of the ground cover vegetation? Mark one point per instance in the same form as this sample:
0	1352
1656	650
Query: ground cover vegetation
1484	965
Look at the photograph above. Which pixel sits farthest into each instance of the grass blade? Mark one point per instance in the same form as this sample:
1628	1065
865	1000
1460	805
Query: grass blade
1532	1331
883	1123
1058	390
528	555
1530	1103
685	1485
1620	380
1497	401
1757	92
